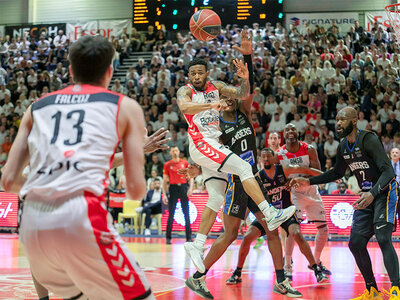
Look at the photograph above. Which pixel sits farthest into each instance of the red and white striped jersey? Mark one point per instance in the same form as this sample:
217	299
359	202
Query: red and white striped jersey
72	142
206	123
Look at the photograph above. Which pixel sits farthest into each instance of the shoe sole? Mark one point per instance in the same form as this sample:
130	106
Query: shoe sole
202	268
324	280
233	283
187	283
290	212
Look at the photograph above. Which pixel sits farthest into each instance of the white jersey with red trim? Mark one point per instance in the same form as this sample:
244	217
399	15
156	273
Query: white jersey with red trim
300	158
72	142
204	124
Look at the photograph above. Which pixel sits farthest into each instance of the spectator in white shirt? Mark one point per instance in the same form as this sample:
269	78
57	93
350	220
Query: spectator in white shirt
384	113
4	91
330	148
19	109
300	124
3	134
118	87
7	105
60	40
160	123
170	115
276	124
332	88
361	122
271	105
383	61
286	105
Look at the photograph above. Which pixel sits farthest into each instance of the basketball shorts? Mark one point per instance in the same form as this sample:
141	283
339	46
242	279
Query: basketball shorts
310	202
237	201
382	210
285	225
73	248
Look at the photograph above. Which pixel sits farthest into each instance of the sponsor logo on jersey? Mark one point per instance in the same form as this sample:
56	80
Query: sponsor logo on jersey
241	133
71	99
69	153
235	209
229	130
296	160
60	166
346	156
211	120
210	96
357	165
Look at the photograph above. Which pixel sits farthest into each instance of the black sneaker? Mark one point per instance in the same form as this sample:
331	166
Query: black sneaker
198	286
168	241
234	279
321	277
284	288
323	269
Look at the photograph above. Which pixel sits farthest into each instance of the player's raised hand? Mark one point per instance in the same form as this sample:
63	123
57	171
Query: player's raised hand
242	70
298	182
156	141
246	43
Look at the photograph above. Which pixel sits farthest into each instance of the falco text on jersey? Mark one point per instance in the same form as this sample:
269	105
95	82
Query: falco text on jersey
64	166
71	99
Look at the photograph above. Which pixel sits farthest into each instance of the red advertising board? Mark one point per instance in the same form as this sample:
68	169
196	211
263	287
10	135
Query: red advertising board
339	215
8	210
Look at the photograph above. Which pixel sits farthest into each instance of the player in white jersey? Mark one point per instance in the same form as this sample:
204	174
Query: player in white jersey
308	199
68	138
200	103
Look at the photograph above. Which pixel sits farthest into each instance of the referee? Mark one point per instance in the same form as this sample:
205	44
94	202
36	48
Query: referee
178	189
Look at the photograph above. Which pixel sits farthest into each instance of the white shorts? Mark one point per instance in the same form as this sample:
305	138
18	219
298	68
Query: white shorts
73	248
310	201
209	153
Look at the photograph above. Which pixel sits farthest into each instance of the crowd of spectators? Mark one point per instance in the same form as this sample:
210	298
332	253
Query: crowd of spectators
303	76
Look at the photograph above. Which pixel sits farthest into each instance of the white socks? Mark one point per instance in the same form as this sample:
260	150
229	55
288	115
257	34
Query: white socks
200	240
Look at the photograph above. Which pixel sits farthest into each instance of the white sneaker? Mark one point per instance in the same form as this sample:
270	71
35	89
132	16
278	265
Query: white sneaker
139	210
196	255
147	231
275	217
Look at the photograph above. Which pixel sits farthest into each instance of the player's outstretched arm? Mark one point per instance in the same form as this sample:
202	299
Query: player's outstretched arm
12	179
290	170
236	92
131	129
187	107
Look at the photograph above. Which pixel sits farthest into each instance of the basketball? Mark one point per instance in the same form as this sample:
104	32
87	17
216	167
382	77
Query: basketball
205	25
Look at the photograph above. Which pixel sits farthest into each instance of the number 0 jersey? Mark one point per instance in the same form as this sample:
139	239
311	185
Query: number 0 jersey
72	142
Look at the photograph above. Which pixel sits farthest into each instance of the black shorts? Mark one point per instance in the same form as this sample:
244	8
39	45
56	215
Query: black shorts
285	225
237	201
382	210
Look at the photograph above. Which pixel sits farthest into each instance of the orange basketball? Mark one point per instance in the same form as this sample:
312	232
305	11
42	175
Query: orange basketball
205	25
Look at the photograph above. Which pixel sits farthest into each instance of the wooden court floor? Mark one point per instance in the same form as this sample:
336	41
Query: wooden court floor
167	266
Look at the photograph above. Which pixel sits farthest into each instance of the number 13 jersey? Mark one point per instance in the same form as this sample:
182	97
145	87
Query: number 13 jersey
72	142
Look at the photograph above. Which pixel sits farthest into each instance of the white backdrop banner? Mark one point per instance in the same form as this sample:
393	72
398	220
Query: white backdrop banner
372	17
344	20
105	28
1	31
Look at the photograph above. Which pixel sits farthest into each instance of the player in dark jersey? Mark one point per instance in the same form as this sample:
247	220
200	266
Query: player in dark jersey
375	211
273	182
239	136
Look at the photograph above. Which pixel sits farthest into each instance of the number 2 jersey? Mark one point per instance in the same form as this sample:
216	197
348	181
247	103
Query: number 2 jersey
240	138
72	142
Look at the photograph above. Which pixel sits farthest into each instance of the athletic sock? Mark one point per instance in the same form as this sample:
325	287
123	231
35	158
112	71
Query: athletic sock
200	240
238	272
280	276
263	205
197	275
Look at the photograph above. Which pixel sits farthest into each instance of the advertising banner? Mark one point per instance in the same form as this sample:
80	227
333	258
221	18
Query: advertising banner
372	17
343	19
34	30
106	28
8	210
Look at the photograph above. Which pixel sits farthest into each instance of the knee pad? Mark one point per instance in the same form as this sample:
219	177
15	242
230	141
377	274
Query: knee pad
216	194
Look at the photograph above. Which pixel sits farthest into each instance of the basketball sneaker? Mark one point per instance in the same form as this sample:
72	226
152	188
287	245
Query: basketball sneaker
198	286
321	277
259	243
323	269
234	279
284	288
394	293
373	294
288	270
275	217
196	255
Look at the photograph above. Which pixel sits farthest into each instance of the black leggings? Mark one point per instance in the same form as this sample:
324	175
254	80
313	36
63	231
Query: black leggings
178	192
358	246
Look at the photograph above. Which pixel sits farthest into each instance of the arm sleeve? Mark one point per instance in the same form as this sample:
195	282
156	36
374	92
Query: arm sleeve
371	146
334	174
247	59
